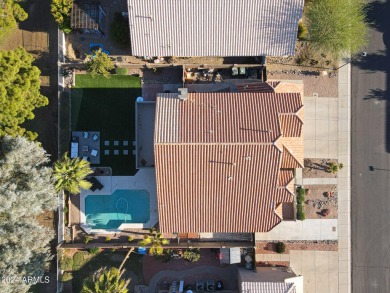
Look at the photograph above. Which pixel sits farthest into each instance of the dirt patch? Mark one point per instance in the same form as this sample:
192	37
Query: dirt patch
317	168
320	198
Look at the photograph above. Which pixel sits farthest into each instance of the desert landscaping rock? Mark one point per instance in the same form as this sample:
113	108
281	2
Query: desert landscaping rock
317	168
319	198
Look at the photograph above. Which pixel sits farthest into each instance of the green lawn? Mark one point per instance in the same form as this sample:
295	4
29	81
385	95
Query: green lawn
85	265
108	106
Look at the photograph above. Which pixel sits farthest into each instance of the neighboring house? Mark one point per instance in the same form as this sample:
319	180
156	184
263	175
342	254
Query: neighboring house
225	161
88	17
269	280
214	28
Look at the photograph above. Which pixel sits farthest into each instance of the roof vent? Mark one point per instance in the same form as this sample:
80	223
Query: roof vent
183	94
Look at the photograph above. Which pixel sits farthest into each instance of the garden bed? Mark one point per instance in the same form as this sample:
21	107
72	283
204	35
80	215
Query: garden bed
318	168
316	200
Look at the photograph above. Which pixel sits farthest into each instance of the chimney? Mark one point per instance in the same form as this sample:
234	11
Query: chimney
183	94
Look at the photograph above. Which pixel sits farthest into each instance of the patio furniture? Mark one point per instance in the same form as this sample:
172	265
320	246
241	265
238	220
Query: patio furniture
116	152
210	286
125	143
106	142
234	71
85	134
86	159
116	142
74	150
85	148
125	152
95	137
106	152
199	286
95	184
94	153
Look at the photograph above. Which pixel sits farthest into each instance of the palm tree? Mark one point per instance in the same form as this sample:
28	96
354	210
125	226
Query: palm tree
70	174
105	281
156	241
334	167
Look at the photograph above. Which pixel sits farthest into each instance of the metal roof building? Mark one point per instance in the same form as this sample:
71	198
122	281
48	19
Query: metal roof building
214	27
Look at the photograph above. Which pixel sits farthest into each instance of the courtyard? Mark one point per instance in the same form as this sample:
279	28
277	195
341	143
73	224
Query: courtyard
108	106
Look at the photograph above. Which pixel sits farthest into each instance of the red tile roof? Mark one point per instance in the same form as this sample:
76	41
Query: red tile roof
217	161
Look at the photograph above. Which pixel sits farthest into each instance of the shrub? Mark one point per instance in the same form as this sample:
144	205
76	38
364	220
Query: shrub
65	209
121	71
78	260
119	31
108	239
301	195
302	31
94	250
87	239
113	249
192	255
280	247
300	212
130	238
66	263
325	212
66	276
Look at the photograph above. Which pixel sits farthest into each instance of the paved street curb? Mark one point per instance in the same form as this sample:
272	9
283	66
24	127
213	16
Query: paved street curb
344	179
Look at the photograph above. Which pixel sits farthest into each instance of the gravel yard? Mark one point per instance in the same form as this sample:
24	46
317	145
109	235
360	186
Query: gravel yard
317	168
319	198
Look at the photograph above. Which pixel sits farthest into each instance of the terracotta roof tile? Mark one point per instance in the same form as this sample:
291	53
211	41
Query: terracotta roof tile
217	170
291	125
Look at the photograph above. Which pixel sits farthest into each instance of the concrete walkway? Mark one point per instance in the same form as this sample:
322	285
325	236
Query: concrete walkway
310	229
312	181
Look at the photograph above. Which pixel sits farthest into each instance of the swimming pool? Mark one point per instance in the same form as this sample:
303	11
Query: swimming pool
123	206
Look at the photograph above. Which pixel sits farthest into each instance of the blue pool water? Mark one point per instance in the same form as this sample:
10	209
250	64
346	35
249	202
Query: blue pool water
123	206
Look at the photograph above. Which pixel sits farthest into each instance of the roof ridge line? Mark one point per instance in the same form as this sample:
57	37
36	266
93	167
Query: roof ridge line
292	155
214	143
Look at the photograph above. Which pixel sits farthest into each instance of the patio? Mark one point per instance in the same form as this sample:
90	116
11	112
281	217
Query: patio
88	146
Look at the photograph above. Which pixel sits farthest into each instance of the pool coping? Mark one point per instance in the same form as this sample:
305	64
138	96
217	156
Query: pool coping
144	179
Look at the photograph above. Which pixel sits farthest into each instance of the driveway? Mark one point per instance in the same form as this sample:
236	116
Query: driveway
318	268
321	127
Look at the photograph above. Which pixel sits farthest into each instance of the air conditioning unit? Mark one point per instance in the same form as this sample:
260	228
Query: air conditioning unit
183	94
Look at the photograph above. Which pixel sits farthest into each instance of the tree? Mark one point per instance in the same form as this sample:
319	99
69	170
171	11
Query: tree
156	242
337	27
99	64
70	174
26	190
19	92
60	9
105	281
26	185
11	13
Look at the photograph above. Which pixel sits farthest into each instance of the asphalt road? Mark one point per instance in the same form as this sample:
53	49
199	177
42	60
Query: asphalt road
371	160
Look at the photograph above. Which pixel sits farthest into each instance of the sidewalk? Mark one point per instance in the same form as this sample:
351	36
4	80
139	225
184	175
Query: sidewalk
344	179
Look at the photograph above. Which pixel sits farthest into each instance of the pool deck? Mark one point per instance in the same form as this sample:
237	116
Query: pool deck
145	179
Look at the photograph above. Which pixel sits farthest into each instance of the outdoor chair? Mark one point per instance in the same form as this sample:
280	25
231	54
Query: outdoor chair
95	137
94	153
85	134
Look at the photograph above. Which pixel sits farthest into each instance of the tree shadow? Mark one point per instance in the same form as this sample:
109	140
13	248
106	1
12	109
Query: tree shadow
373	62
376	94
378	15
